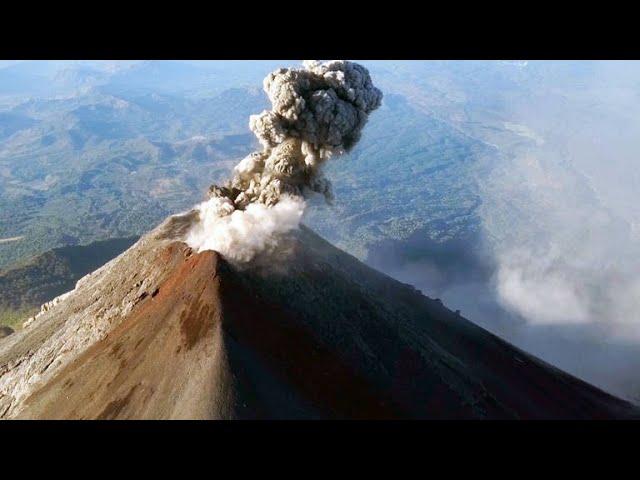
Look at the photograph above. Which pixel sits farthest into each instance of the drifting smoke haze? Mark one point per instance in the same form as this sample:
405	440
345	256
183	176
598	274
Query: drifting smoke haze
573	255
560	214
317	112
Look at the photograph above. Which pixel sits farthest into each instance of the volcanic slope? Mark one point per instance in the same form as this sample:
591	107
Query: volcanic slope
161	332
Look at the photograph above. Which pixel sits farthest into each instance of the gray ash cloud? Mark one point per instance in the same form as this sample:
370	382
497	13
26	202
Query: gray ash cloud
317	111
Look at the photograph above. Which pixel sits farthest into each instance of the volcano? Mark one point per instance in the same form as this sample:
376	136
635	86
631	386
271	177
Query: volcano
163	332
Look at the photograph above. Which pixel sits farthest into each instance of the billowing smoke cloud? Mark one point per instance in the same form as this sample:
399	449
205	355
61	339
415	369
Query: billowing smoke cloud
317	111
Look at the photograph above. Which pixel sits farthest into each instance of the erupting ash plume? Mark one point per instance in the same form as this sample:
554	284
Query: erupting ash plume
317	111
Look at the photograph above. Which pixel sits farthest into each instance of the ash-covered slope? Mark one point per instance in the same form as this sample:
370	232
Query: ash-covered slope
163	332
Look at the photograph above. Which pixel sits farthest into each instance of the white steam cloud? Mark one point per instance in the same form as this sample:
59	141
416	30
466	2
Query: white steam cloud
539	291
317	111
241	234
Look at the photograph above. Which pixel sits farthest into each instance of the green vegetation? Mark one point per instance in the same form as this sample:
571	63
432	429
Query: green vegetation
100	166
107	165
15	317
29	284
411	172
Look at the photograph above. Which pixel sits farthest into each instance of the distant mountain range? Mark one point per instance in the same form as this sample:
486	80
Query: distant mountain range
46	79
123	165
127	160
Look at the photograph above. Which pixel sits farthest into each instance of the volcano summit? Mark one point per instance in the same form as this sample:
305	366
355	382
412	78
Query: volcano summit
162	332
